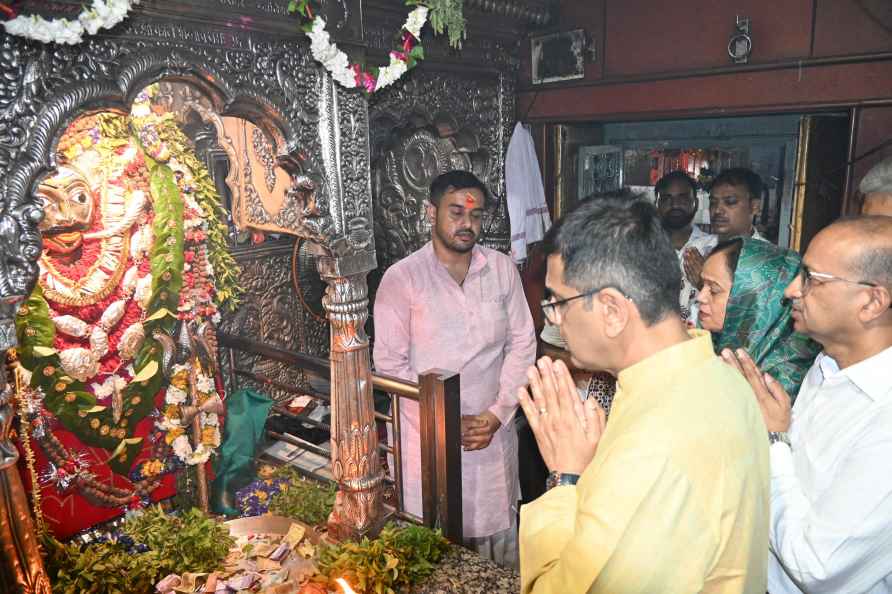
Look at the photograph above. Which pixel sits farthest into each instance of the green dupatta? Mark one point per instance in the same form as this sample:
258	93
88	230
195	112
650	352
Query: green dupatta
758	318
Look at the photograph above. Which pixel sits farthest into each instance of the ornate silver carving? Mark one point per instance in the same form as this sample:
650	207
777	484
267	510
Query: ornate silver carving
272	81
525	11
434	122
265	156
271	313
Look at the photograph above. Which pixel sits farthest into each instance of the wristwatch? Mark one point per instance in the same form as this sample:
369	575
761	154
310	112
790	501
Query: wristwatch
557	479
779	436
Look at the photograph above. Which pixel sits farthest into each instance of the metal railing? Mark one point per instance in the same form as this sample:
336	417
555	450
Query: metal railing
437	393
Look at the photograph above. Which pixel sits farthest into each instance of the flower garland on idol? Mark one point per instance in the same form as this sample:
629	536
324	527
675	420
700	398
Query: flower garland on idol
102	14
93	336
404	57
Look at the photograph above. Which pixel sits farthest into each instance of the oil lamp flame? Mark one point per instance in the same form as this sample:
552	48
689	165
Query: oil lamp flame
345	586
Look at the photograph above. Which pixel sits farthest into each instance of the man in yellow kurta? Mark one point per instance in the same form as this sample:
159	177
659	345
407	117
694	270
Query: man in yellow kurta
672	495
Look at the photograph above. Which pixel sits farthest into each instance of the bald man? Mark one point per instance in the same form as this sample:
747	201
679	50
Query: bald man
876	187
831	455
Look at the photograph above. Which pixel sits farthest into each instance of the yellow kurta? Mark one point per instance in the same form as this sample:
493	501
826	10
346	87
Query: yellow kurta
676	498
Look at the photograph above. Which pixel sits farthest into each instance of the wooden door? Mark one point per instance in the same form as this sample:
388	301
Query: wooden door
820	176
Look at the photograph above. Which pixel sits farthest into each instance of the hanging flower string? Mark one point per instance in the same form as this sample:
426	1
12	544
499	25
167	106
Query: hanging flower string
402	59
102	14
354	75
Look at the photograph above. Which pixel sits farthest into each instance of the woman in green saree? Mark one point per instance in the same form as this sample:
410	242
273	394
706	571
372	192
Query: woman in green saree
742	304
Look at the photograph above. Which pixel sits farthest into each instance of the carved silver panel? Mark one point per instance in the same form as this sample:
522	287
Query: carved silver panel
272	313
430	124
268	79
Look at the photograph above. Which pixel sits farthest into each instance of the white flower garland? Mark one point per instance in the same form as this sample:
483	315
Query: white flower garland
209	439
336	62
103	14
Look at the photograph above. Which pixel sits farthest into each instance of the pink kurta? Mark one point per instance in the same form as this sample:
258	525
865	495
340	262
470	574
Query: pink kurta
482	329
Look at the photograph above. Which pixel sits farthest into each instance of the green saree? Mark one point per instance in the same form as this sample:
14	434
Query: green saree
758	318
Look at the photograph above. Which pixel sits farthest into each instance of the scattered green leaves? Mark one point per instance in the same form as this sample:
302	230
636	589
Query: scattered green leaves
190	541
104	568
307	501
397	559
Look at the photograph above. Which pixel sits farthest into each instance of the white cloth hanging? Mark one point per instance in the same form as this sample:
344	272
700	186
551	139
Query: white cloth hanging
527	210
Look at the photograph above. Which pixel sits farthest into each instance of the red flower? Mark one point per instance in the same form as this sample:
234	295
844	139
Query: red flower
399	56
189	256
7	10
408	42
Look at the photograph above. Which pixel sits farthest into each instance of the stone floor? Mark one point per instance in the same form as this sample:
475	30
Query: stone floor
465	572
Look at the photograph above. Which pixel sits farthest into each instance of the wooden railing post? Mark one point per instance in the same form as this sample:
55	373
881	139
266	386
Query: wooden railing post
441	482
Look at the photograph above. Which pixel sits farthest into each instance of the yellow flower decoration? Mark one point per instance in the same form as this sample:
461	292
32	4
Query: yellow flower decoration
209	436
152	468
173	434
180	380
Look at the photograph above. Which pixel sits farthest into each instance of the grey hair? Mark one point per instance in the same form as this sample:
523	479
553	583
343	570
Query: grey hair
878	179
872	262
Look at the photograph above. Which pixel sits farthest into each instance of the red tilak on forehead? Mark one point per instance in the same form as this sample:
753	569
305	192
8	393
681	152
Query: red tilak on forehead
470	201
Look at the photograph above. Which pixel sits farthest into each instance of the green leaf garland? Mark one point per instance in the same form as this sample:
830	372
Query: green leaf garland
226	270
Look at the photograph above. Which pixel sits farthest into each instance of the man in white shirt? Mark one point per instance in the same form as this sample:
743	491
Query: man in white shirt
831	455
735	199
676	206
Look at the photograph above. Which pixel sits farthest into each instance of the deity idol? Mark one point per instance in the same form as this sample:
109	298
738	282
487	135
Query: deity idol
114	392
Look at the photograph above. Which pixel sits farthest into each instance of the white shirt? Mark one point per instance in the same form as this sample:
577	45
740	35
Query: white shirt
687	298
527	210
831	496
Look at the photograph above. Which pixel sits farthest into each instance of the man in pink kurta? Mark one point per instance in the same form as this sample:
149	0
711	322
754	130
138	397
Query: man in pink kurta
458	306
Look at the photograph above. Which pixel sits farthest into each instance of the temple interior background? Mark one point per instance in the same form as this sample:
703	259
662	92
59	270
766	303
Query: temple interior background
202	176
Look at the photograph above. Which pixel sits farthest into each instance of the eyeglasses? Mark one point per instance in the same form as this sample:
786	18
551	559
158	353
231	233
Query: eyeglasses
806	277
553	310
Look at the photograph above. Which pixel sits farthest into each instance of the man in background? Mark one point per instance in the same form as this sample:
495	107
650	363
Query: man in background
735	199
677	204
876	189
459	306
